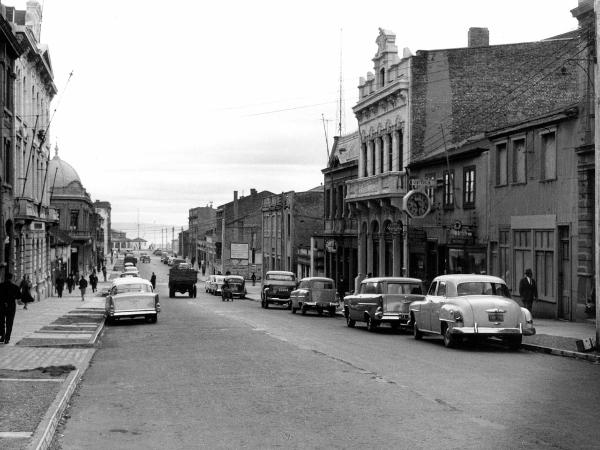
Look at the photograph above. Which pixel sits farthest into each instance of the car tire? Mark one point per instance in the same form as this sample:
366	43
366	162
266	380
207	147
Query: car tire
450	341
294	310
513	342
191	292
332	311
171	293
320	311
350	323
416	332
371	324
289	305
195	291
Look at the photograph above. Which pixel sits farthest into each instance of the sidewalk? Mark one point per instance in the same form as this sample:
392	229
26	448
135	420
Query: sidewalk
51	346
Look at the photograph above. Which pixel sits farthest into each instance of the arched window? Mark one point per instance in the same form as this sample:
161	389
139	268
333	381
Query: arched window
382	77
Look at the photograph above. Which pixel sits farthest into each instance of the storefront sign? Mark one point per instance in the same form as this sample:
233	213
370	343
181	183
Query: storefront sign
422	183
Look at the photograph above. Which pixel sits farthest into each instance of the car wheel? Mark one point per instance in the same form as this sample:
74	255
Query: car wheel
513	342
320	311
416	332
332	311
371	324
191	292
449	340
289	305
350	322
195	291
222	298
171	293
294	310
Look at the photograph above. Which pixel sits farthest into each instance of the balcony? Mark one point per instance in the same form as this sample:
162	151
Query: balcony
25	209
383	185
340	226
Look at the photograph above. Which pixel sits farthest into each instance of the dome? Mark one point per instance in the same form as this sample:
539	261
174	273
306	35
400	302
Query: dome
64	175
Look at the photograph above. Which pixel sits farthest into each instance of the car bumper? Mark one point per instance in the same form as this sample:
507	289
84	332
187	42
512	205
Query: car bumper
490	331
402	318
323	305
133	313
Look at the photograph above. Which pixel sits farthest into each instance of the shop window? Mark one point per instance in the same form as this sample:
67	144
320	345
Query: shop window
518	161
548	155
469	187
449	189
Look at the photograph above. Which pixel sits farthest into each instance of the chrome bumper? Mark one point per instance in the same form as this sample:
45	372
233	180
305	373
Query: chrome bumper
489	331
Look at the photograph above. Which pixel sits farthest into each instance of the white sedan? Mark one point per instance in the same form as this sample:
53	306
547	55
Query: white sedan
132	297
458	306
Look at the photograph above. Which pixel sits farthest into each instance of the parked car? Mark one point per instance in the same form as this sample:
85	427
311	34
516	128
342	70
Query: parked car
315	293
130	271
144	258
276	288
132	297
459	306
176	261
233	286
215	283
383	300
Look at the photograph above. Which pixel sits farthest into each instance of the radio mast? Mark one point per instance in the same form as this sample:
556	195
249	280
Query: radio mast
341	104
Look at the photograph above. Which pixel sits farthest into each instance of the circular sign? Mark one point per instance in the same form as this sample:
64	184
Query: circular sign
416	204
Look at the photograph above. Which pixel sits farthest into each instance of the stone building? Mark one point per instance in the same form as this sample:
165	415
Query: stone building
103	241
340	233
10	51
200	220
289	221
76	215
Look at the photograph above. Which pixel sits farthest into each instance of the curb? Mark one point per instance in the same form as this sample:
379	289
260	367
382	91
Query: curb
44	433
595	358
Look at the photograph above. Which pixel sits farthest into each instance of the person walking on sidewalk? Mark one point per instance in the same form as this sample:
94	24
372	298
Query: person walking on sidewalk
528	290
153	281
82	286
25	288
93	281
253	278
104	271
70	282
9	293
60	285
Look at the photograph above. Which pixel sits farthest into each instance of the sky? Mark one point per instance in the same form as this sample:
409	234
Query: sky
176	104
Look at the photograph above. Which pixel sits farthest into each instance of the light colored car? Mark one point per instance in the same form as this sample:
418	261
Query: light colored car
214	284
276	288
459	306
315	293
383	300
130	271
132	297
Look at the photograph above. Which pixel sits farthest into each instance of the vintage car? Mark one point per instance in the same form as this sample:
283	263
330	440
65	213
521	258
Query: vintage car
315	293
144	258
276	288
234	286
130	271
383	300
132	297
214	284
459	306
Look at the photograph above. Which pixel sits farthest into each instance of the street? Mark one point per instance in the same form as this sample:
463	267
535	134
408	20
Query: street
213	374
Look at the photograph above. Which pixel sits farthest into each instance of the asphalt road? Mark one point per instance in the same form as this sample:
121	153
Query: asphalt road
213	374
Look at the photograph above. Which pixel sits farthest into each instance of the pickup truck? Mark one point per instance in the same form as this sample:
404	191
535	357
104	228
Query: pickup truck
182	278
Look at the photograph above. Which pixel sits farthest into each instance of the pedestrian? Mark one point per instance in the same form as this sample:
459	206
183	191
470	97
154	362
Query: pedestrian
25	288
104	271
9	293
93	280
253	278
70	282
528	290
341	288
153	281
82	286
203	269
193	261
60	284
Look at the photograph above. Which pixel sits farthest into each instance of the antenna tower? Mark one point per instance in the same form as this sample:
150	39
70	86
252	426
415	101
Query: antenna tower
341	117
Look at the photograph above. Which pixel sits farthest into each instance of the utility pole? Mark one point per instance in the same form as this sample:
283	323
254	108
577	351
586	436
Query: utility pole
597	173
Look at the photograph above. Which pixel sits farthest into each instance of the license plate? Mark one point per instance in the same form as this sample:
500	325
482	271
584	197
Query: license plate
496	317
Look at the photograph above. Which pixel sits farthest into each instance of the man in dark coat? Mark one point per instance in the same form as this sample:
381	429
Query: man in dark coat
9	293
60	285
528	290
153	280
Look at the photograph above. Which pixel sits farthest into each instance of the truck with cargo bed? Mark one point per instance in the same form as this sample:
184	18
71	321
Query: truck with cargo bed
182	278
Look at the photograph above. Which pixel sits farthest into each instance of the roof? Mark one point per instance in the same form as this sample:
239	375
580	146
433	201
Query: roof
279	272
397	279
316	279
65	174
130	280
462	277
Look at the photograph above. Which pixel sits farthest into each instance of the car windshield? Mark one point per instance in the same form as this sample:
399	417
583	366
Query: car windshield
370	288
482	288
133	287
404	288
280	277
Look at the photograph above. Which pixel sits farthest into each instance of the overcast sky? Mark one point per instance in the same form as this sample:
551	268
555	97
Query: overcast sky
176	104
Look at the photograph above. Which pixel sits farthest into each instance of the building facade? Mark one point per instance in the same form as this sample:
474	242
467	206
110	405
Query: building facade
289	222
103	241
200	221
340	233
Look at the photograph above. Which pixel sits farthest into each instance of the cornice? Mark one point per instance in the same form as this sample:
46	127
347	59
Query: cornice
381	94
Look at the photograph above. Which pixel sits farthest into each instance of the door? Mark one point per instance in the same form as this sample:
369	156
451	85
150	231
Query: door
436	305
564	274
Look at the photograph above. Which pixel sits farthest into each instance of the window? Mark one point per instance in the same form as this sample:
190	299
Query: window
400	151
503	256
74	223
469	187
548	156
327	203
518	154
501	164
448	189
544	262
7	162
522	247
390	152
430	189
381	168
382	78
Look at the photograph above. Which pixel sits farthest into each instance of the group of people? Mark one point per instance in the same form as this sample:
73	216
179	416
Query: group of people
73	280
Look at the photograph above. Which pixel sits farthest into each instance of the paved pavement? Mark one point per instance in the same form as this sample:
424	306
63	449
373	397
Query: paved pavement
63	332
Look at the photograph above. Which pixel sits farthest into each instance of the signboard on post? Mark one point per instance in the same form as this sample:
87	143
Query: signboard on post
239	251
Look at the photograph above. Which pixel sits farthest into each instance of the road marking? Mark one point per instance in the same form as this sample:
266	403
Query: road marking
15	434
57	380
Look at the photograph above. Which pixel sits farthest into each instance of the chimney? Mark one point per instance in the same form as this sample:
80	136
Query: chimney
479	37
252	192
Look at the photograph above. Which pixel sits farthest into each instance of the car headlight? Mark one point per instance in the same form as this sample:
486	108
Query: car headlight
457	315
